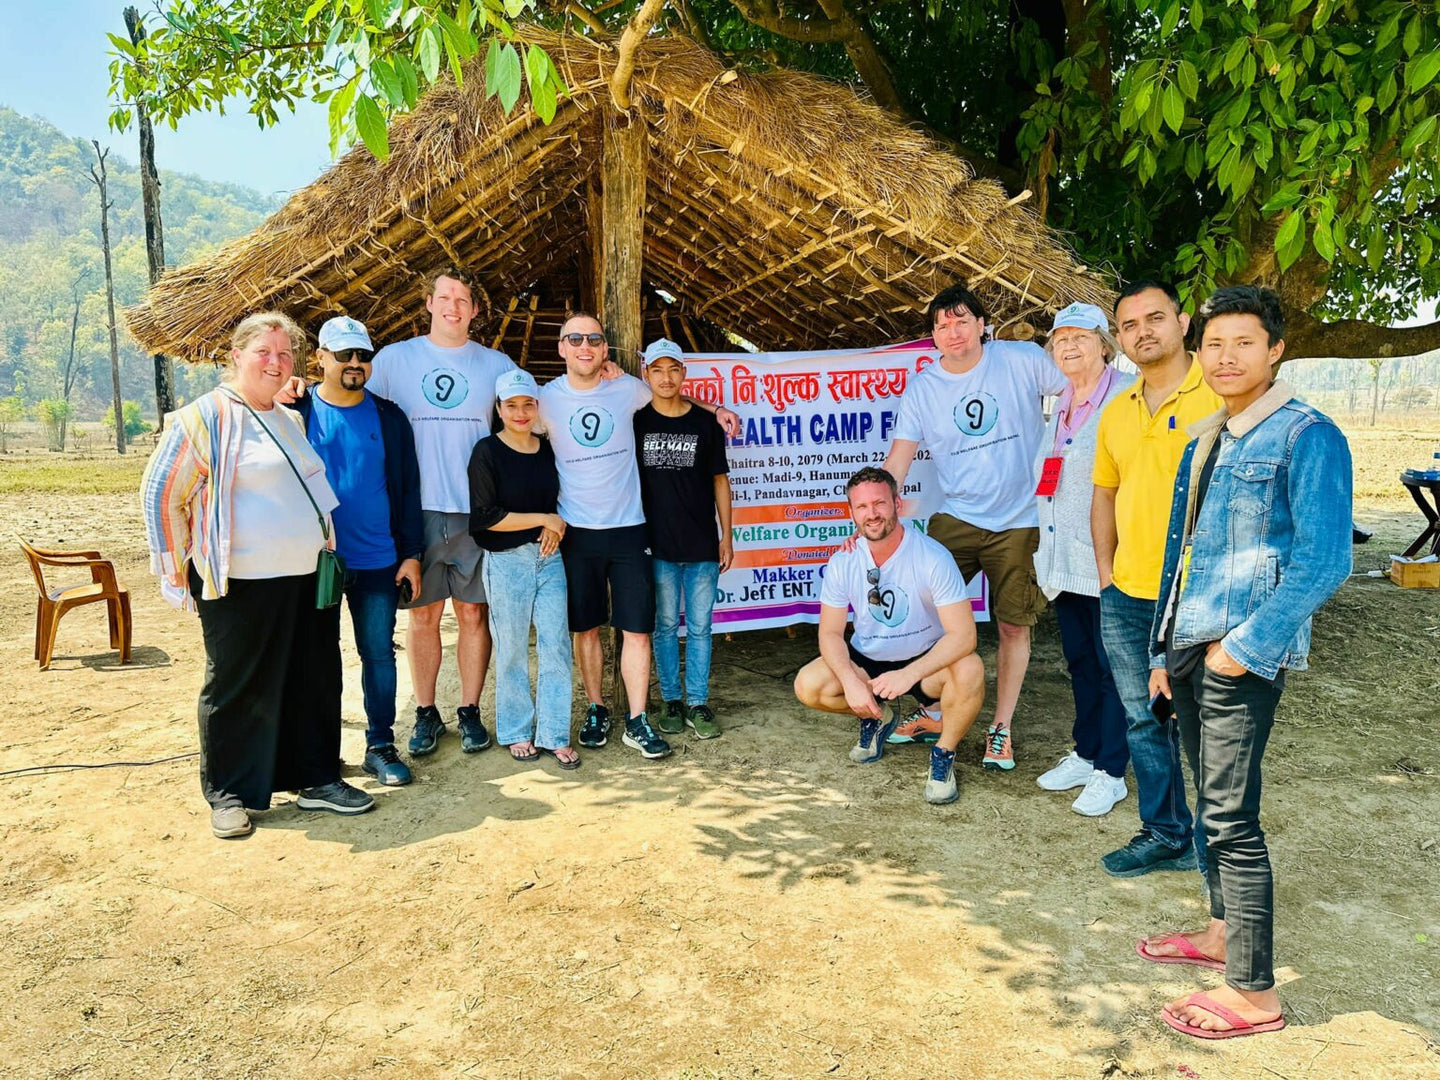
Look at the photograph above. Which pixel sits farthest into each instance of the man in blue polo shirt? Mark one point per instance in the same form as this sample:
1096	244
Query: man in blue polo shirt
369	454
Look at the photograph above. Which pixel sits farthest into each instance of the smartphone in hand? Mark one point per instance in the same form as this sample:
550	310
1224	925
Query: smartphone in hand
407	594
1162	708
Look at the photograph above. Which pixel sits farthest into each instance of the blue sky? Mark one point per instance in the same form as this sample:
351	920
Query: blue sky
54	63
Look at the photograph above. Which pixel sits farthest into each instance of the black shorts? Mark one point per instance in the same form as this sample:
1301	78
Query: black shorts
610	579
875	668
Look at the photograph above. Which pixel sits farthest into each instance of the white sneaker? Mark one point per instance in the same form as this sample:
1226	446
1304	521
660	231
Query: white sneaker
1102	792
1073	771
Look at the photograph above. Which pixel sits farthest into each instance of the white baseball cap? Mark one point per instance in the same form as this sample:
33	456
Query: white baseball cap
661	348
517	382
1081	316
343	332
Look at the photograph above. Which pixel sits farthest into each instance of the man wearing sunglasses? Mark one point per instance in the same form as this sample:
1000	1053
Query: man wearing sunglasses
590	421
369	454
914	633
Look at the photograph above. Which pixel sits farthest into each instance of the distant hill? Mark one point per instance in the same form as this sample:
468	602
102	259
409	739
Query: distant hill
50	240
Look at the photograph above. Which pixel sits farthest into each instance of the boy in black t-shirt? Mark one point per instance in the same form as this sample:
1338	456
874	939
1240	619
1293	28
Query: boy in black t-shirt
684	484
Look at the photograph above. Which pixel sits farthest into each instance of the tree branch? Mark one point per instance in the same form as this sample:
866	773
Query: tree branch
630	40
586	16
692	25
1308	336
863	53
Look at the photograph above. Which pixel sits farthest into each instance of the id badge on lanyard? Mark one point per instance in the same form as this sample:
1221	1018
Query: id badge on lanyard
1049	475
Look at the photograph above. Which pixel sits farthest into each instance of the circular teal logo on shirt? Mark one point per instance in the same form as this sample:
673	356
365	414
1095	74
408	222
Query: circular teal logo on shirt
976	414
445	388
894	606
592	426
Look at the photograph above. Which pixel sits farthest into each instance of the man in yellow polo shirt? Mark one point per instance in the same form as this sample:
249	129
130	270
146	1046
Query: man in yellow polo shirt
1141	439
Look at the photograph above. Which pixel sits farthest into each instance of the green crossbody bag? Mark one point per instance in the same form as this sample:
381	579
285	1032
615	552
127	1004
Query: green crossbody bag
329	567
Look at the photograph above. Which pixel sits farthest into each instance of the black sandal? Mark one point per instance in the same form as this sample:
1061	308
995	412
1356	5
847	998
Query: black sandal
573	763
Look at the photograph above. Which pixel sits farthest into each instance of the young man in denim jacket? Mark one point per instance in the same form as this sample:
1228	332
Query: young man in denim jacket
1259	538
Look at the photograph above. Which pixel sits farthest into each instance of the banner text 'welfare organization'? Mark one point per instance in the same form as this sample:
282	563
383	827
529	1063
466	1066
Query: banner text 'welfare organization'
809	421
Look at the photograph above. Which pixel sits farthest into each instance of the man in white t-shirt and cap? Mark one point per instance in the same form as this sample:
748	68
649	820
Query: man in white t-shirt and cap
589	418
445	383
978	412
914	633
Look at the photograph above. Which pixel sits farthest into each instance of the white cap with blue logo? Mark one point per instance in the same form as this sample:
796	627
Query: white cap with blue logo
517	382
342	333
1081	316
663	347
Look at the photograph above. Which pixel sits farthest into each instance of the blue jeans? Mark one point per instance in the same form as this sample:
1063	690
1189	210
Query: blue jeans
373	597
527	589
697	581
1125	623
1100	729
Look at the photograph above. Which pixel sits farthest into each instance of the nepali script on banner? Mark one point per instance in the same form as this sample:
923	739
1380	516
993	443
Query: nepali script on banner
809	421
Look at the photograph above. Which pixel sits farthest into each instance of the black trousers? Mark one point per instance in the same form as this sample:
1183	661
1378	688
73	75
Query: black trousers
1225	723
269	711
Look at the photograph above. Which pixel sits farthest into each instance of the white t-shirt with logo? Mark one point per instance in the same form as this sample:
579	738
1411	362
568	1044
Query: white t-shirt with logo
983	430
919	578
593	435
449	396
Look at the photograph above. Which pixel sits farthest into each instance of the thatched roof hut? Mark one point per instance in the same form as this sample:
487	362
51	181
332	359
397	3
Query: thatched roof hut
778	207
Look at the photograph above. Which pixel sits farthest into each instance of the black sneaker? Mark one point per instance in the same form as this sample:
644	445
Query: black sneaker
383	763
596	730
672	720
639	735
337	797
473	736
428	729
1147	852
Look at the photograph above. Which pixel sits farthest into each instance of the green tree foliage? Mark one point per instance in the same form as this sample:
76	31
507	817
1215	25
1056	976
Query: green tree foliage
49	235
1288	142
54	415
12	411
364	59
135	423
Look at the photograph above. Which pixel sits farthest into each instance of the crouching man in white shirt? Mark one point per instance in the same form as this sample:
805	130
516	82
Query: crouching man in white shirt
914	633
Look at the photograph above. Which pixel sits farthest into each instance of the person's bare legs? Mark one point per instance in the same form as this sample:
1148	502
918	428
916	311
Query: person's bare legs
472	651
1011	661
591	656
817	687
422	650
962	692
635	670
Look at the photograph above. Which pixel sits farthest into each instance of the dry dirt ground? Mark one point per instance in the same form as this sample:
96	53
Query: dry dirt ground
752	907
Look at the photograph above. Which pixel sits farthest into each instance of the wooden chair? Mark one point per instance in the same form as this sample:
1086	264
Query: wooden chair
53	603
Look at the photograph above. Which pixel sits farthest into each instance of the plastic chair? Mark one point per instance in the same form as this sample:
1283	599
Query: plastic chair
53	603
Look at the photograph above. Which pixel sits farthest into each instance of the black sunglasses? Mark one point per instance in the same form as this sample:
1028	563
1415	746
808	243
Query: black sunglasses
576	340
353	356
873	598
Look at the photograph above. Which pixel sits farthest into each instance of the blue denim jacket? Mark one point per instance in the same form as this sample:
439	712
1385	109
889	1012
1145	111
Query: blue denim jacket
1272	540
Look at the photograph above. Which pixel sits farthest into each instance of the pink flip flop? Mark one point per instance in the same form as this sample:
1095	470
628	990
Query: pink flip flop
1238	1024
1193	956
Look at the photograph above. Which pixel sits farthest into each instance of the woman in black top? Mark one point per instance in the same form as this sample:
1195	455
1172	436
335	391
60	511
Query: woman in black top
514	490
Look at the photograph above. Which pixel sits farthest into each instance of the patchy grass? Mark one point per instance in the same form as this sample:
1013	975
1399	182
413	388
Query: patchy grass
71	474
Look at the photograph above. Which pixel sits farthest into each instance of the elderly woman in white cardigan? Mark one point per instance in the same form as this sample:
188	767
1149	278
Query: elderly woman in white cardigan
1082	347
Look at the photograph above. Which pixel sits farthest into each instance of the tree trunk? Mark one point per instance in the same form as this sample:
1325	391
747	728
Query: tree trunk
100	182
1374	393
67	381
622	198
154	233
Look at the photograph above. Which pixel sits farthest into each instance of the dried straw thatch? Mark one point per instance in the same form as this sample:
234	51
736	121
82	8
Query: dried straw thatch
780	207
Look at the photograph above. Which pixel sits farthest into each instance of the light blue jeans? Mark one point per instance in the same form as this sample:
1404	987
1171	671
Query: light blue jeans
696	582
527	590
